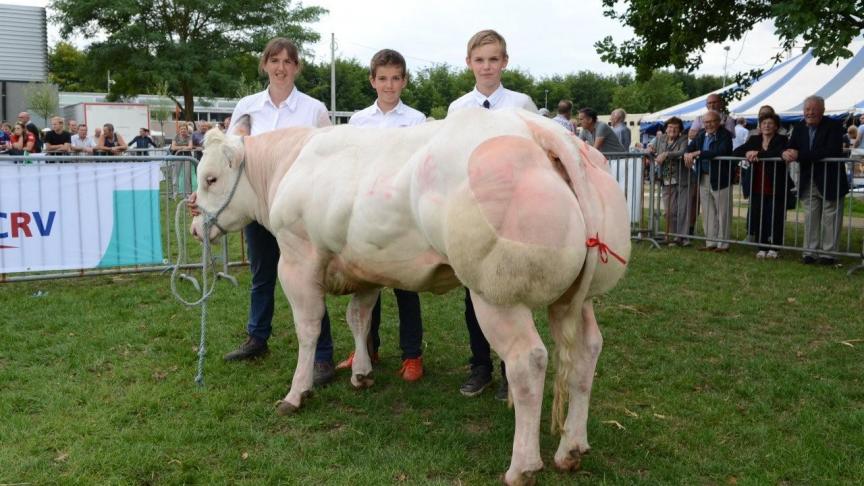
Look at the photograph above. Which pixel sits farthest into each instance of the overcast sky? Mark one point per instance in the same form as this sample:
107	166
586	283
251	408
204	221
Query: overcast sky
544	37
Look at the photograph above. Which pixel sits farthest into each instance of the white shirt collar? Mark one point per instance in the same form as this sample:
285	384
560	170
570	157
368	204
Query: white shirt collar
494	98
398	109
290	103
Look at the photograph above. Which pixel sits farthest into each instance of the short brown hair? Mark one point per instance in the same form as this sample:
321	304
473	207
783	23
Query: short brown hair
388	57
675	121
565	107
274	47
484	37
772	116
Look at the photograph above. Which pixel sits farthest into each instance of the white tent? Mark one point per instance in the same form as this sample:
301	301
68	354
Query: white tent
785	86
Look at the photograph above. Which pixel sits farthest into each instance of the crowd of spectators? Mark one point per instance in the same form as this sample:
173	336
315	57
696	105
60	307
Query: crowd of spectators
780	168
68	137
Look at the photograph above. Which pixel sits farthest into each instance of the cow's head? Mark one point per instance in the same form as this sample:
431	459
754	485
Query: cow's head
224	196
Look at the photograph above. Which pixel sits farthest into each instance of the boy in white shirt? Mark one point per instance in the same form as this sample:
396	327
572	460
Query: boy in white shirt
487	58
388	74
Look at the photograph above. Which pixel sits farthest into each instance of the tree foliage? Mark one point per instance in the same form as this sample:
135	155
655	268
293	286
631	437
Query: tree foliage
661	91
72	70
43	99
430	90
675	33
197	46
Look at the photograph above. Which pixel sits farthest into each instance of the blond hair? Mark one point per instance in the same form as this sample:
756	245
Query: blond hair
485	37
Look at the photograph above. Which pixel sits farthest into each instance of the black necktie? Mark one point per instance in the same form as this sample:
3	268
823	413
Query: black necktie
486	104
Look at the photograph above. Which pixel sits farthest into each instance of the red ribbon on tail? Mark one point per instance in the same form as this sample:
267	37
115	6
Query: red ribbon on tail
604	249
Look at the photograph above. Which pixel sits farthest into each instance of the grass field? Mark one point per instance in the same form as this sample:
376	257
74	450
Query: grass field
717	369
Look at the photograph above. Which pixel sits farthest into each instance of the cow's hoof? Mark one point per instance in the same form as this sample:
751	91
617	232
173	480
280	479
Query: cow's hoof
362	381
572	461
525	478
286	408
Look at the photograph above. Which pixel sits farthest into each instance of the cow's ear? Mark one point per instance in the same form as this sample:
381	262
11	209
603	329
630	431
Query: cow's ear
233	154
242	127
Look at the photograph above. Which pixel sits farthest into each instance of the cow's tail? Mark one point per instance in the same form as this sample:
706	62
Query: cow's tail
572	162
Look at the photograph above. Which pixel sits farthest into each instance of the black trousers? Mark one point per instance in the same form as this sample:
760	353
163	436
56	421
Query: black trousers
766	219
480	350
410	324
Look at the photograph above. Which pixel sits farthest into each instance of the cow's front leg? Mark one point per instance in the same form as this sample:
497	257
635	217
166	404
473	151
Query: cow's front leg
588	343
301	284
511	333
359	317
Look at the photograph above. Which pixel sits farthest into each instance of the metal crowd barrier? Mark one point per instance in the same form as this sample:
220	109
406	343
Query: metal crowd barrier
177	182
628	169
761	206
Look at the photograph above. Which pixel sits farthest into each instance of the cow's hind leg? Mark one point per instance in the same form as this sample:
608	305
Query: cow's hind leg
300	281
511	333
587	343
359	317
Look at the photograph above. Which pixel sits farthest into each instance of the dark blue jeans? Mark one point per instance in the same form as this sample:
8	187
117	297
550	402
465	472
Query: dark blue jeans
410	328
263	263
480	351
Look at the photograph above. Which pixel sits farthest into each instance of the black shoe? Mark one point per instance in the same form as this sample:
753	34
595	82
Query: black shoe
252	348
827	261
503	390
322	373
808	260
480	378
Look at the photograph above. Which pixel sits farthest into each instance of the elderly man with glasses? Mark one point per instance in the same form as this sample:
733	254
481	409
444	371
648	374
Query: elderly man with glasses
715	179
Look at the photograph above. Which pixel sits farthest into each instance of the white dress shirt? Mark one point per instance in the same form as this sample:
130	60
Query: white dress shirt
401	115
298	110
501	98
86	142
564	122
741	136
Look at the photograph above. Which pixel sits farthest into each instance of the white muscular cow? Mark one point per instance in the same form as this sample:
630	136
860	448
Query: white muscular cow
506	203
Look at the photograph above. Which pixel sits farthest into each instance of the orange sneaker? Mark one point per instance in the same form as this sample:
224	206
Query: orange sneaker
412	369
349	361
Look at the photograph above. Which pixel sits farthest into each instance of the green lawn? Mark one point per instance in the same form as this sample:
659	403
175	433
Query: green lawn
719	369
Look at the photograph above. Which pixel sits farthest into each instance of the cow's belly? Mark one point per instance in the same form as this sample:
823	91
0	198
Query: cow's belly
363	232
350	271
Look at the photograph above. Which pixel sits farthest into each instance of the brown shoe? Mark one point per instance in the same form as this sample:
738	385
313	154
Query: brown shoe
252	348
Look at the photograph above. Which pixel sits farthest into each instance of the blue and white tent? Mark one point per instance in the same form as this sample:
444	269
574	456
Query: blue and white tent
785	86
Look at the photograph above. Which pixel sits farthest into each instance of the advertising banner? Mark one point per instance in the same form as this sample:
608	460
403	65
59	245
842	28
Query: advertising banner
79	216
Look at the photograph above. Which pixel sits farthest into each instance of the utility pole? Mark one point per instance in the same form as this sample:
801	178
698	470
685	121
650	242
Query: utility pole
333	78
725	48
546	99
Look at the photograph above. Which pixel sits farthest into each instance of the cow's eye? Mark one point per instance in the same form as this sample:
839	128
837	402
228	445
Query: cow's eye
210	181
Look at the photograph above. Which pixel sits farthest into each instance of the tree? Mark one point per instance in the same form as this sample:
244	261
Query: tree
353	91
592	90
661	91
160	111
697	86
43	99
199	47
72	70
676	33
433	88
